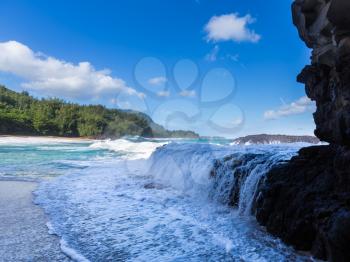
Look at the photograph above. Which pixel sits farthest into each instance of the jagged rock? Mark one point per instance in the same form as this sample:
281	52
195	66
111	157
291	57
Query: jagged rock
324	25
306	202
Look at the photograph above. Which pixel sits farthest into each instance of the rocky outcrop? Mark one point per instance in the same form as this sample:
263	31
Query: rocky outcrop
324	25
264	139
306	201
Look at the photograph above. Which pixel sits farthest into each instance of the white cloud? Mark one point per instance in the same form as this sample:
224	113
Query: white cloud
113	101
124	105
157	81
231	27
54	77
299	106
188	93
213	54
163	93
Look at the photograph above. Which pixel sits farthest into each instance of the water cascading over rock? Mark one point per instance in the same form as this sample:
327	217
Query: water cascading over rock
306	202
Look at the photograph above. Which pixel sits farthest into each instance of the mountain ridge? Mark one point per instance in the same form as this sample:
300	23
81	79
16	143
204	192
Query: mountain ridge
22	114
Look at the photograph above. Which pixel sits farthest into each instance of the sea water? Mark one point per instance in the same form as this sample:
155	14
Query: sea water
137	199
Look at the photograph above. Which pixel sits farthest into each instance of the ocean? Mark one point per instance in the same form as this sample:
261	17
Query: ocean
137	199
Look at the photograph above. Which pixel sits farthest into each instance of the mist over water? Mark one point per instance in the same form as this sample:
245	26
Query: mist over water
150	200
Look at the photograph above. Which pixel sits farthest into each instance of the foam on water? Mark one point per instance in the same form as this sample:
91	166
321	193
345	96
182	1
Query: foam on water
71	253
213	171
31	140
131	149
36	158
172	206
117	210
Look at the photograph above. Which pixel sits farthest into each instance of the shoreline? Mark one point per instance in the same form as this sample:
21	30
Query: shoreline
24	235
87	139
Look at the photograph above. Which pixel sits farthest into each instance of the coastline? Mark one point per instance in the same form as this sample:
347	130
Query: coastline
77	139
23	232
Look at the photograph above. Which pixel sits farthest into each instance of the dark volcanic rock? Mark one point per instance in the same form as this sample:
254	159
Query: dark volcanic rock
275	139
324	25
306	202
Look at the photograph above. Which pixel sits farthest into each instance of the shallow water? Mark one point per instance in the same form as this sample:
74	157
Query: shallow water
110	201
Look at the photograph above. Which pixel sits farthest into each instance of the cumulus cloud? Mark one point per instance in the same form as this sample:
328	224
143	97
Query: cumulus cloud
157	81
231	27
213	54
188	93
163	93
299	106
55	77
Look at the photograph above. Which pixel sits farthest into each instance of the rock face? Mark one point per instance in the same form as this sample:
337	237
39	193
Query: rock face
306	201
324	25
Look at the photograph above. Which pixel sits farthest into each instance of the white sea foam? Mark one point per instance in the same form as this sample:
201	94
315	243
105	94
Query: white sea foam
209	170
164	208
50	228
33	140
70	252
131	149
185	166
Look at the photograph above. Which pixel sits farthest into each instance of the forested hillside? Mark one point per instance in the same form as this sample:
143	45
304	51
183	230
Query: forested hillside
23	114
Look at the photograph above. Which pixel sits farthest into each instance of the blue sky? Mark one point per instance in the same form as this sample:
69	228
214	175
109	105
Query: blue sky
225	67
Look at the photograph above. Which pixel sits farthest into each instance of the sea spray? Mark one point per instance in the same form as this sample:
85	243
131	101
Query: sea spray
229	175
129	148
164	208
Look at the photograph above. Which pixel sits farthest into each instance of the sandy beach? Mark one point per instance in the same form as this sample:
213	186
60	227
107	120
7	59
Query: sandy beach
23	231
46	138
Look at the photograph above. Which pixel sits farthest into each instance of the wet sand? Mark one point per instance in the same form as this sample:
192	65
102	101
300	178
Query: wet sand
23	231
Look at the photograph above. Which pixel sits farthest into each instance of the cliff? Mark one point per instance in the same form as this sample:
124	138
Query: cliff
325	27
306	201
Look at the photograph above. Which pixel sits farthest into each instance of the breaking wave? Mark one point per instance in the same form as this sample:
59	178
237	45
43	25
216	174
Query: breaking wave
159	201
229	175
130	149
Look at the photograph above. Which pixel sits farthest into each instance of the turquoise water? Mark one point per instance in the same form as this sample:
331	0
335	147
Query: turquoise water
35	161
38	158
147	200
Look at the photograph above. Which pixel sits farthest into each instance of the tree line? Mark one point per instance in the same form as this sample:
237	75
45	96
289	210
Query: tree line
22	114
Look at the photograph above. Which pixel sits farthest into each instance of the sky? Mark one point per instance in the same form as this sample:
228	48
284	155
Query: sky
220	68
